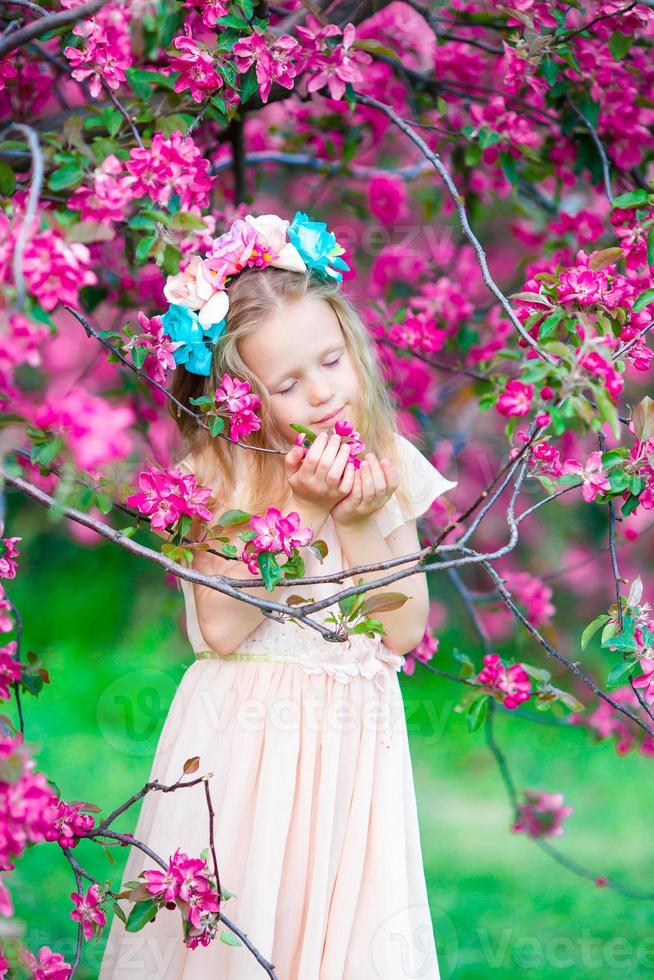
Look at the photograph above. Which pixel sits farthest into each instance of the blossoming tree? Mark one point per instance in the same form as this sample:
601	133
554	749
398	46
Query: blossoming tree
441	144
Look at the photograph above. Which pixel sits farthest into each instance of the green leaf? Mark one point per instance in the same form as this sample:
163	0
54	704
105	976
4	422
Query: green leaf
549	69
629	506
216	425
7	179
202	400
185	221
509	169
650	246
229	938
144	247
139	355
271	573
619	45
112	120
249	84
477	712
230	21
644	300
619	673
234	517
592	628
141	914
64	177
624	642
607	410
632	199
548	327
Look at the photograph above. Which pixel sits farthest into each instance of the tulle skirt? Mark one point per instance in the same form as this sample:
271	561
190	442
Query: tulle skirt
315	829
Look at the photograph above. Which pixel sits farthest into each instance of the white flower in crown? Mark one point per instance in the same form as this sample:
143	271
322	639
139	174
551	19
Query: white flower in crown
195	288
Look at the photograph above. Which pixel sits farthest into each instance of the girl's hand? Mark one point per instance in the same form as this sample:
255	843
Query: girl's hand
373	484
317	480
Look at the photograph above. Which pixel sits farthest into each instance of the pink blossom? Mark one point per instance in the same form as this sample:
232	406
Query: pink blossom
165	496
231	252
186	879
387	197
27	803
532	593
512	685
646	679
67	824
196	66
337	67
595	480
171	166
8	553
274	60
585	226
87	911
160	347
274	533
95	430
515	399
242	405
106	52
211	10
11	670
346	431
106	201
597	365
548	456
542	814
582	285
419	333
423	653
49	966
55	270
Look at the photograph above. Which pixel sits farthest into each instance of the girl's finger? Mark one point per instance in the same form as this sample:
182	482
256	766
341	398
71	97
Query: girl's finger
314	453
338	466
392	475
347	483
378	478
328	454
367	482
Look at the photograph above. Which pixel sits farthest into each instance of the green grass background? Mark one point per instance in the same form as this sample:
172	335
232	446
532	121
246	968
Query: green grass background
106	625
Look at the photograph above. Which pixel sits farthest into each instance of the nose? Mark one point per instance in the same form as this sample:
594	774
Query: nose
321	391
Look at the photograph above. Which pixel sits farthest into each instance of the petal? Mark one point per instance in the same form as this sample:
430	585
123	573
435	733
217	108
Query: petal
214	310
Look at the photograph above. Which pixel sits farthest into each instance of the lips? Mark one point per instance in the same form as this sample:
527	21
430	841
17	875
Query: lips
331	417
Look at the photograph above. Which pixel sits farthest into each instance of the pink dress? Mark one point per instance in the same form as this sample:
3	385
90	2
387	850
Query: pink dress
316	828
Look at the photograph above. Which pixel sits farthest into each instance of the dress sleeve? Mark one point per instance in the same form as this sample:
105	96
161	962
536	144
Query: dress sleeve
420	480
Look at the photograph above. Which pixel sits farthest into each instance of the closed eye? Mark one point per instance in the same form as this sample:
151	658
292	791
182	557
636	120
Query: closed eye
332	363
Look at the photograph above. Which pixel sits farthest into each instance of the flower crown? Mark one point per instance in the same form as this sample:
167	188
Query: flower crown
197	316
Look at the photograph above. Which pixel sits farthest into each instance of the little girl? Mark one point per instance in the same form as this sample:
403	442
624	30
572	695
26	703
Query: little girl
315	829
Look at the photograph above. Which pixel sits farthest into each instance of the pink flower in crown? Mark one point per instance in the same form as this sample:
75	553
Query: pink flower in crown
595	480
87	911
515	399
198	287
230	253
271	237
542	814
8	553
11	670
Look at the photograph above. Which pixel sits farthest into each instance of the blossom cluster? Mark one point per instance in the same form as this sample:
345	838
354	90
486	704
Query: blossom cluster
186	880
510	685
164	496
541	814
242	404
275	534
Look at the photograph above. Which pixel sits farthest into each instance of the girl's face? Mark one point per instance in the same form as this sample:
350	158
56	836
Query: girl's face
301	357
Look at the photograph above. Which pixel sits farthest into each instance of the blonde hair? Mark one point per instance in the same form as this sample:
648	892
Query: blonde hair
253	295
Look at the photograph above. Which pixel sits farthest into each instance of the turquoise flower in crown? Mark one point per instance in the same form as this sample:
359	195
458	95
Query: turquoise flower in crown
317	246
183	326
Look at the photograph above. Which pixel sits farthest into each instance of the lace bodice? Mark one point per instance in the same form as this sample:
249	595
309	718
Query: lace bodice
359	654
